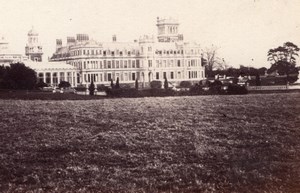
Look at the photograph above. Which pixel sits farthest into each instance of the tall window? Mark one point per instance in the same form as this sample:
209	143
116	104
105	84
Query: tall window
104	63
121	64
172	75
54	78
41	77
157	75
62	76
150	63
133	76
165	74
109	76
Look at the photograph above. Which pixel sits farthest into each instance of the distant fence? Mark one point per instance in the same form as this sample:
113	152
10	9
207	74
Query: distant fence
280	87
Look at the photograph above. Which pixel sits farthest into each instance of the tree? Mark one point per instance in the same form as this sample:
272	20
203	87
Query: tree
111	83
233	72
212	61
136	84
41	84
64	84
287	53
185	84
283	59
92	88
156	84
166	83
17	76
257	80
117	83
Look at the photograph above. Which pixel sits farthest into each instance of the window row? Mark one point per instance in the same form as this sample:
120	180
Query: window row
174	63
105	77
106	64
104	52
192	51
179	75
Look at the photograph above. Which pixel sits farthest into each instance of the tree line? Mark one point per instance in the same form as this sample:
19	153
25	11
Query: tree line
17	77
282	59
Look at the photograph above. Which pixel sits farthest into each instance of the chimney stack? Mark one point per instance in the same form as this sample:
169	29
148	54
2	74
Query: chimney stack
58	44
114	38
82	37
70	41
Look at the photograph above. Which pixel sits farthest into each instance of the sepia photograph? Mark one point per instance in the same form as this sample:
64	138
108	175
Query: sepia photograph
149	96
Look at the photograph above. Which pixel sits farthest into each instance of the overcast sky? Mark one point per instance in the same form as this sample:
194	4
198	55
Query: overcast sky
242	29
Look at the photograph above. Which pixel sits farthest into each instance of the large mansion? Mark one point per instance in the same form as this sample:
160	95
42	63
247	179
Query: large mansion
145	59
82	60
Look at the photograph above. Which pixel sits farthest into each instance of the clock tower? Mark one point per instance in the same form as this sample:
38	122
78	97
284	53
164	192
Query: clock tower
33	48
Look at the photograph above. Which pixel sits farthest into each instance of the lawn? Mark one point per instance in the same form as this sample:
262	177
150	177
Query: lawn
247	143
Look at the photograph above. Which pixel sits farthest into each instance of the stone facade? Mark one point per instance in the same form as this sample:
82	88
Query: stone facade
145	59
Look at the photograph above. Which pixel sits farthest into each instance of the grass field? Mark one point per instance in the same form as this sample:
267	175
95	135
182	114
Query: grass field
248	143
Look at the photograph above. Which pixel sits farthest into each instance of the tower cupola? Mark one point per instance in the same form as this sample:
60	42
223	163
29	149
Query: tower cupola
33	48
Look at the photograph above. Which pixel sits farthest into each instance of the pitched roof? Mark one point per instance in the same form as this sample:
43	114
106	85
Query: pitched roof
49	65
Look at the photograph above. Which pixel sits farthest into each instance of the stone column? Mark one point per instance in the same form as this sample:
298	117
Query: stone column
75	75
44	77
58	78
71	78
51	79
65	76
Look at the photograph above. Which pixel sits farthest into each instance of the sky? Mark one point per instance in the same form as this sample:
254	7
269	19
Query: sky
242	30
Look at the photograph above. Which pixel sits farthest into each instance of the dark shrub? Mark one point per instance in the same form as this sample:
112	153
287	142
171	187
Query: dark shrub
17	76
126	86
196	89
257	80
41	84
136	84
112	83
236	89
204	83
185	84
155	84
64	84
215	87
157	92
92	88
117	83
80	88
102	87
166	84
